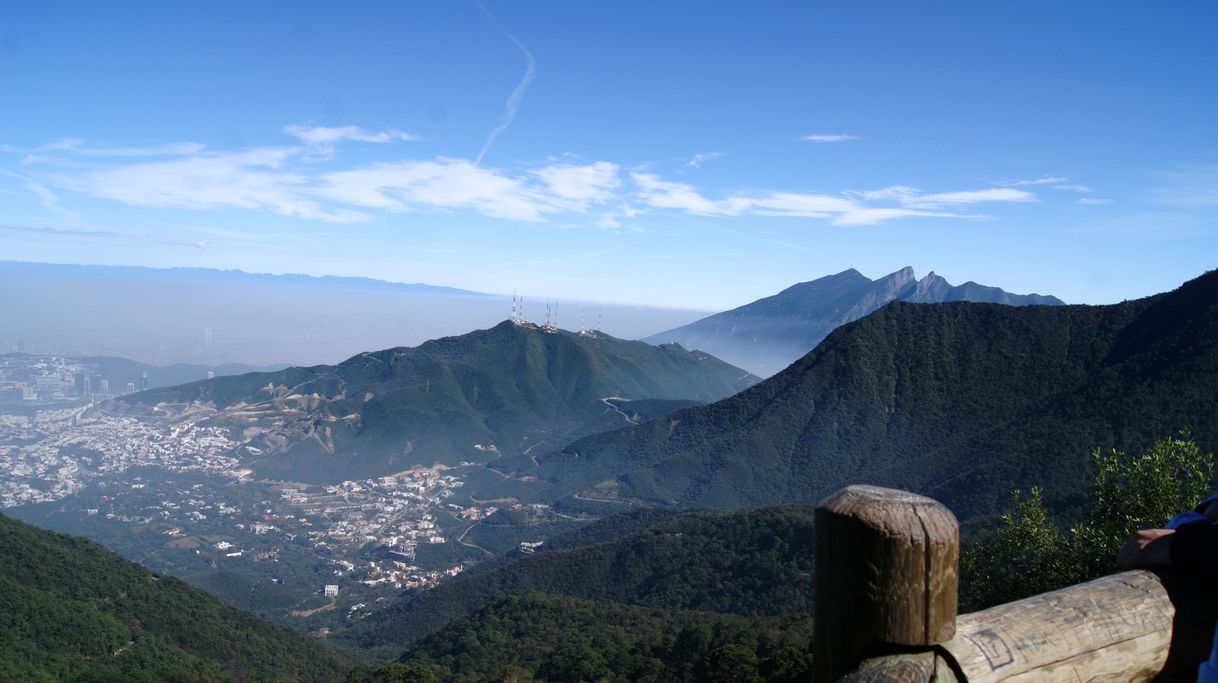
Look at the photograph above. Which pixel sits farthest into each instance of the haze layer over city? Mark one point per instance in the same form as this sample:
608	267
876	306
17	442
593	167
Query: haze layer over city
483	340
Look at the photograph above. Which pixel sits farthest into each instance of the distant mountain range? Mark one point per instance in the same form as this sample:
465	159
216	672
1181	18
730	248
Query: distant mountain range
163	316
960	401
771	333
72	610
511	390
122	371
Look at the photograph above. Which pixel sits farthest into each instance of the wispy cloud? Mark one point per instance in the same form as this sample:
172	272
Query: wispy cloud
827	137
294	181
513	100
65	143
170	150
1057	182
851	208
697	160
439	184
914	198
621	218
243	180
580	185
76	147
1044	180
322	136
66	232
994	194
48	199
662	194
1089	201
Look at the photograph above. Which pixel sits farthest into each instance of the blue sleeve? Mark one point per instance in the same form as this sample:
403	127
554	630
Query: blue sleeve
1194	548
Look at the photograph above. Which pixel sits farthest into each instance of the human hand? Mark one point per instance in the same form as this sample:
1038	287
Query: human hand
1148	547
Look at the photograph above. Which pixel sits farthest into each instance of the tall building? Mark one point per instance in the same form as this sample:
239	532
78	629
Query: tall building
144	381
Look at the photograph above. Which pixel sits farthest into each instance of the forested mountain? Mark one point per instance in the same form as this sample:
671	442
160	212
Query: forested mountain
769	334
748	562
960	401
557	638
506	390
71	610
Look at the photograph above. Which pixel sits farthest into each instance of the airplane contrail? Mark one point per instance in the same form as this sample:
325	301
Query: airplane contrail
513	100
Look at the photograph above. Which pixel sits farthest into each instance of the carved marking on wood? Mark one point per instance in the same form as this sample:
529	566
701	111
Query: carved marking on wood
1117	628
995	649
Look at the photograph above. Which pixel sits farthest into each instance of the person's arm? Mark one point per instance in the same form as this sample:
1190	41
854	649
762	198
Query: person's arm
1195	547
1148	548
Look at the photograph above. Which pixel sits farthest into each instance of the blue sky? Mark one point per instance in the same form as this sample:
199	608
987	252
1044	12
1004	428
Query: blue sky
696	155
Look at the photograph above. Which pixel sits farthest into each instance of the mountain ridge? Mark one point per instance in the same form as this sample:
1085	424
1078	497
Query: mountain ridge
466	398
960	400
238	276
769	334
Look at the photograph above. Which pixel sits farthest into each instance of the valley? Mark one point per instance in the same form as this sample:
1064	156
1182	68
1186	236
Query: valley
171	495
388	504
197	481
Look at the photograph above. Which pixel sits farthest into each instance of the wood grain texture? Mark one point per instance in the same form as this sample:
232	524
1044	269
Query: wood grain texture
1117	628
921	667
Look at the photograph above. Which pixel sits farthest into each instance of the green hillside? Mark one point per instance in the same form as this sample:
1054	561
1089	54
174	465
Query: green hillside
565	639
749	562
959	401
503	391
71	610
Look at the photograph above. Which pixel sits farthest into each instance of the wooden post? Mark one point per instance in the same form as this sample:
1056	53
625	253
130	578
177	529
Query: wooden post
886	574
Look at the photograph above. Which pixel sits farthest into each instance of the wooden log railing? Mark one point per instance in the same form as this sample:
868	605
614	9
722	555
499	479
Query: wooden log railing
886	578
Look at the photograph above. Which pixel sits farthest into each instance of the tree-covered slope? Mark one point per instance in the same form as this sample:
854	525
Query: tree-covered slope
71	610
769	334
557	638
749	562
502	391
960	401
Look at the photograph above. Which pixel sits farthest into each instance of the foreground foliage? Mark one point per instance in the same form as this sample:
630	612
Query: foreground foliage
1033	552
71	610
533	635
749	562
